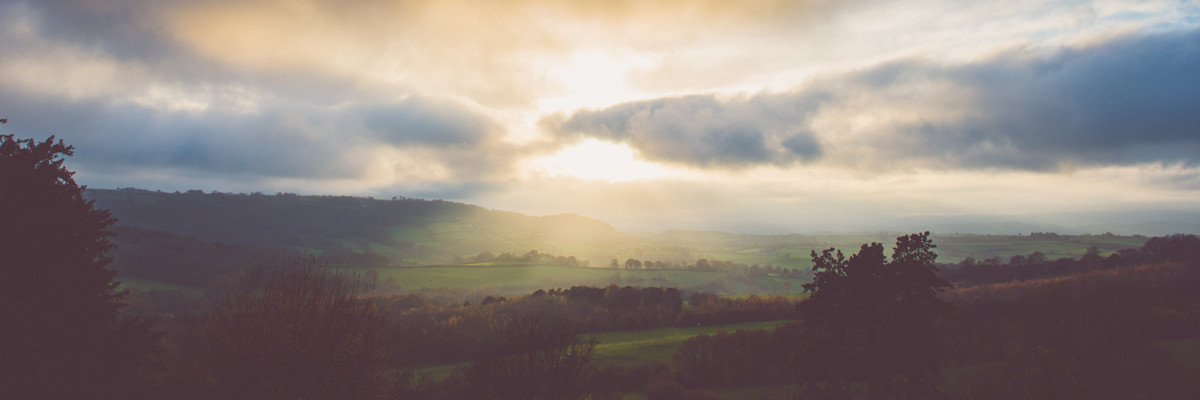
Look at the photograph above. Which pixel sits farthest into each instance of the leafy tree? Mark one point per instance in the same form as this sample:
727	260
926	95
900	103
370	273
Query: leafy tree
874	317
298	333
63	337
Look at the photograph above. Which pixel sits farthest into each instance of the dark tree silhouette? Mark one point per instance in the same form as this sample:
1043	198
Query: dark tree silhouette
874	319
62	335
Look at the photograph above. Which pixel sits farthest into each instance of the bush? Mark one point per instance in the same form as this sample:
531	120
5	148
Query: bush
298	332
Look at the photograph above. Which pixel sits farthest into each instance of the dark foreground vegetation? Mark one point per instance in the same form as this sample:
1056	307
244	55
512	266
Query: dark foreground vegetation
876	325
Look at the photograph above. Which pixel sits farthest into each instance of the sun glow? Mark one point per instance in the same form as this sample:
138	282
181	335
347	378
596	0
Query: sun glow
589	79
599	160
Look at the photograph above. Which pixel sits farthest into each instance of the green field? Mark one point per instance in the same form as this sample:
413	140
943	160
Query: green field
629	348
649	346
527	278
148	285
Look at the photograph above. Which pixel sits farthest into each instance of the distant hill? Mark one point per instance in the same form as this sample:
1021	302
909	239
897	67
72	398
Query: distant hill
195	237
399	231
1147	223
186	260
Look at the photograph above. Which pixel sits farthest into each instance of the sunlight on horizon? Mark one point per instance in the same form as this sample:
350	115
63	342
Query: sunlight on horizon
593	159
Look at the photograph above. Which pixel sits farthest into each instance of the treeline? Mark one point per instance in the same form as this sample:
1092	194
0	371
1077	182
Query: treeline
530	257
701	264
972	272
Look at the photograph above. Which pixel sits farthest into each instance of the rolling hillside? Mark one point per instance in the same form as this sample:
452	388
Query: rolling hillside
192	237
400	231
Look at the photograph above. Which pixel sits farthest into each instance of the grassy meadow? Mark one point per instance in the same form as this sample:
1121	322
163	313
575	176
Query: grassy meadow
148	285
524	279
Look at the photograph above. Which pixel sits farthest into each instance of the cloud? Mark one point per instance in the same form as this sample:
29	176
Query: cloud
125	29
1133	99
417	139
499	54
426	121
704	130
505	54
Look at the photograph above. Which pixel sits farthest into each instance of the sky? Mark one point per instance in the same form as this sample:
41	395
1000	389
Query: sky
755	116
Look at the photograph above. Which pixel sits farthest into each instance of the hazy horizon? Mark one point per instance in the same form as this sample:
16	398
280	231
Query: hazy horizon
764	117
1146	223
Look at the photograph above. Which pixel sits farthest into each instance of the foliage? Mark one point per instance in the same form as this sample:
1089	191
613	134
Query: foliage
1088	335
873	317
743	357
540	358
971	272
298	332
58	303
708	309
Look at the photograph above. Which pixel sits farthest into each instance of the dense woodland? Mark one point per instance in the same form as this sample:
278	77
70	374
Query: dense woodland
885	322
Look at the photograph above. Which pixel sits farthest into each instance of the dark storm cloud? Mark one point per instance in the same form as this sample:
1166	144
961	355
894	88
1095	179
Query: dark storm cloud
420	120
132	31
1130	100
287	140
110	136
122	28
705	131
